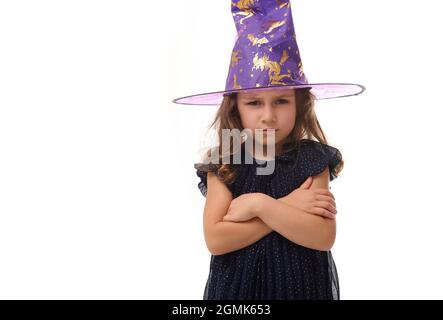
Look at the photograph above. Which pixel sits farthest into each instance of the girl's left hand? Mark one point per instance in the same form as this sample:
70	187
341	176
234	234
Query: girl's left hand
243	208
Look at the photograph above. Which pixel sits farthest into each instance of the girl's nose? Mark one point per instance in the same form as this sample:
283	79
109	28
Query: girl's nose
268	113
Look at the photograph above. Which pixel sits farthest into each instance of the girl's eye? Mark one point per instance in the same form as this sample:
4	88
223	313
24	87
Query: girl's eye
280	101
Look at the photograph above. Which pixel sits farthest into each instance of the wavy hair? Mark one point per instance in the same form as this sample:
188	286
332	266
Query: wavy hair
306	126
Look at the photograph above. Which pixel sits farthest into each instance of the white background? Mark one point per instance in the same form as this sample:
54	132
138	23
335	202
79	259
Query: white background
98	194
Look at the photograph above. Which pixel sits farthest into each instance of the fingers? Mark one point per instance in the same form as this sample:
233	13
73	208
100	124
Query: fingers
324	200
326	205
323	191
323	212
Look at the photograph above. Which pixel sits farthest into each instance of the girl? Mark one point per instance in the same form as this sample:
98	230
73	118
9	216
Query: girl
270	235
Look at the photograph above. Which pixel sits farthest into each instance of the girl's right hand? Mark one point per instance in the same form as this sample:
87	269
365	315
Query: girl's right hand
314	201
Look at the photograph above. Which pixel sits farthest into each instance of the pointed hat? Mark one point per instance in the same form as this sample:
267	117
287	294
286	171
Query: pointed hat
266	55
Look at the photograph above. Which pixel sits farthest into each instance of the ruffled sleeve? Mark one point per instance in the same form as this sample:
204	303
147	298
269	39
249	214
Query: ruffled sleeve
202	173
315	156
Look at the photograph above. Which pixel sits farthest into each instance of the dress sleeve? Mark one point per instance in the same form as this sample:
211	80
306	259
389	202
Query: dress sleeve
202	173
315	156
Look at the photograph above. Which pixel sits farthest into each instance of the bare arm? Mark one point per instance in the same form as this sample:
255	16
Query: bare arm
308	230
224	236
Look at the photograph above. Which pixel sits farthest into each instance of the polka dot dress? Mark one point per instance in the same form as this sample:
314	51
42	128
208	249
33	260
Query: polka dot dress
274	267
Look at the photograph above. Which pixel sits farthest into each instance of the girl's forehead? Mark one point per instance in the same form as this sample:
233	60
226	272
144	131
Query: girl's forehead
266	93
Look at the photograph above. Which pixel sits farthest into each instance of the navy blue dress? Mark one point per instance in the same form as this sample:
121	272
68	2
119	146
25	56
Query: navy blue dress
275	267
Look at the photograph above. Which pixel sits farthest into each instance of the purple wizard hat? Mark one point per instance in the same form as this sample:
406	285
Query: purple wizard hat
266	55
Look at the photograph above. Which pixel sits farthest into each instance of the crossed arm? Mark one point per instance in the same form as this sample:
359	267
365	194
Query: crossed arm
221	237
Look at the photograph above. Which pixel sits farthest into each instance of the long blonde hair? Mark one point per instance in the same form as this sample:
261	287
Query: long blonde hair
306	126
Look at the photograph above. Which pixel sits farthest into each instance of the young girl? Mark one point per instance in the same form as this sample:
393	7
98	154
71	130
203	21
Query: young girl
270	235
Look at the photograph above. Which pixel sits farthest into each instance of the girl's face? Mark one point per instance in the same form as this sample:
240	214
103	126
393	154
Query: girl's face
268	109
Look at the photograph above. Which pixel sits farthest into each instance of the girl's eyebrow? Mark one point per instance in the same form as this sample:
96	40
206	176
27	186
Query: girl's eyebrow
282	96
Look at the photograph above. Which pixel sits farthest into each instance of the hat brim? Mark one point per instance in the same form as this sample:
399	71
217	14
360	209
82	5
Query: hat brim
320	90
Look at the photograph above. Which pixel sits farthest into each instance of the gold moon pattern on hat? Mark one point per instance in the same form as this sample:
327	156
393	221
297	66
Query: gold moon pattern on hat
257	41
236	85
234	58
273	67
273	25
